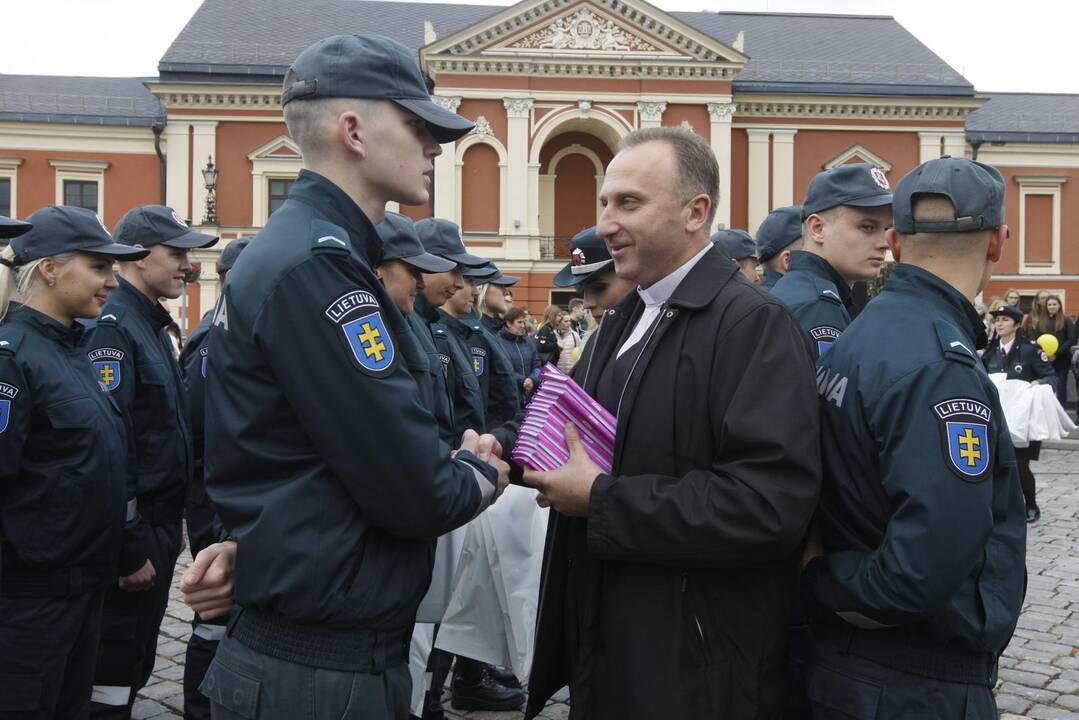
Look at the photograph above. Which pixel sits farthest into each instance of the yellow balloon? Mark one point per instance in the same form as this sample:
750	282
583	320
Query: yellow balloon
1049	344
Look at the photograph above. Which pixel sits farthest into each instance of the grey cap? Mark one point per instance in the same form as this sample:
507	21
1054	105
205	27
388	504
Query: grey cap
975	189
10	227
736	243
400	242
230	253
857	184
149	225
779	229
59	229
443	238
375	68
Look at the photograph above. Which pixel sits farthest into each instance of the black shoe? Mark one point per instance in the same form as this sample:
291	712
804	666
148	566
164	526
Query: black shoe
432	706
1033	513
505	678
480	691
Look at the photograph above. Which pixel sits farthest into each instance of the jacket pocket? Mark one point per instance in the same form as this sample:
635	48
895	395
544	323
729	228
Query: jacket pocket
20	693
231	693
716	666
853	696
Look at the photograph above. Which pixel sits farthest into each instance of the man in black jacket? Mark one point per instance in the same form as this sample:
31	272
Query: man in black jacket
667	583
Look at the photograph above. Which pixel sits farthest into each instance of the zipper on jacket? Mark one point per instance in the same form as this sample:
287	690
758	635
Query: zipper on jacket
696	620
662	313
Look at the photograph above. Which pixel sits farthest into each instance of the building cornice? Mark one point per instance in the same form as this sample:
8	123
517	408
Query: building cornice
750	106
583	67
218	97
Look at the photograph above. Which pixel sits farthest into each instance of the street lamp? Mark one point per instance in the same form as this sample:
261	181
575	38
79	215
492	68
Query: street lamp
209	178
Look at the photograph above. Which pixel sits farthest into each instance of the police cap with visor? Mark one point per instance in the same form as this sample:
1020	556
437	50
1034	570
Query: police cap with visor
976	191
59	229
1009	311
443	238
230	254
779	229
370	67
10	227
588	255
400	242
857	184
736	243
149	225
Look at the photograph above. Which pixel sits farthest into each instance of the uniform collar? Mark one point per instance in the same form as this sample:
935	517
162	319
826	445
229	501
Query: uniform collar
133	298
69	336
425	309
819	267
459	325
334	204
913	280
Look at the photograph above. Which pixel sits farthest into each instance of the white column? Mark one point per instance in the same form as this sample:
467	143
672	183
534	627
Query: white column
651	113
546	218
955	143
177	179
721	115
782	167
203	148
758	176
929	146
518	113
532	227
446	189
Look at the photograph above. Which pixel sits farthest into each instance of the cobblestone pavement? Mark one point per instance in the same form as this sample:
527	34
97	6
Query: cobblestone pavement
1039	672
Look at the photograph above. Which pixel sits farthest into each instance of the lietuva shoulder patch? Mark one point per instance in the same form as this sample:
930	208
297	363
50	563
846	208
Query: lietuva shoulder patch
112	315
10	340
364	332
826	290
964	428
327	237
953	344
825	336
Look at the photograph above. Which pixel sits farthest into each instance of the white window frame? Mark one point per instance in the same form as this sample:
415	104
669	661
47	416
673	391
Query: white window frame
1039	185
83	171
9	170
266	166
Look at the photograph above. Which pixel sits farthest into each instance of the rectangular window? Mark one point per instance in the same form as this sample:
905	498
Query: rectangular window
5	196
1039	229
81	193
279	190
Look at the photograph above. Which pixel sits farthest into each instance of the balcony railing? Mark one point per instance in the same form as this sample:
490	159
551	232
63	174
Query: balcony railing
554	247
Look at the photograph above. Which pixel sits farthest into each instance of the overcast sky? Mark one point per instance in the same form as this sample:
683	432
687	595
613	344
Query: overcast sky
1001	45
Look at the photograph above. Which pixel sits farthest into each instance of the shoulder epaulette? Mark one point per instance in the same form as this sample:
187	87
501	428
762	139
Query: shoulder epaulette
954	345
112	315
10	339
826	290
327	237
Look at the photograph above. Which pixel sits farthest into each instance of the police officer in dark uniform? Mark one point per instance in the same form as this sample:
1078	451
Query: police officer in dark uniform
921	579
203	526
493	303
503	400
739	246
592	269
66	483
779	234
845	213
134	357
321	459
1022	359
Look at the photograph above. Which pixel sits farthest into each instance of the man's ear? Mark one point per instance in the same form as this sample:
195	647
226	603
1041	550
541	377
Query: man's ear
141	262
895	243
785	260
699	208
351	132
814	229
996	243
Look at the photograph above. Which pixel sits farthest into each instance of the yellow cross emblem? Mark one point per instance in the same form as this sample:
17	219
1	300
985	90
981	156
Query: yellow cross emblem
107	374
476	364
370	342
969	450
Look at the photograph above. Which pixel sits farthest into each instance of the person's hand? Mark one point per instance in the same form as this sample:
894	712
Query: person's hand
814	547
208	584
141	579
486	447
528	385
470	441
569	488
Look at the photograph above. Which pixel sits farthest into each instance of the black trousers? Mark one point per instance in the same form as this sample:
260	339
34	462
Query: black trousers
130	625
47	651
201	648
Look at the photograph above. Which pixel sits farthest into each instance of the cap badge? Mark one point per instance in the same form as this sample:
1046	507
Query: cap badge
577	257
880	178
179	220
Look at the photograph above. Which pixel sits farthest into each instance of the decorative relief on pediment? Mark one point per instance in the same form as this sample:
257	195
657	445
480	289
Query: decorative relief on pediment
483	126
585	30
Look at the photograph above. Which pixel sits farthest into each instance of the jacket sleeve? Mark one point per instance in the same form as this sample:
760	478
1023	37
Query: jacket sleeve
935	507
370	427
1041	367
535	363
755	500
16	412
546	342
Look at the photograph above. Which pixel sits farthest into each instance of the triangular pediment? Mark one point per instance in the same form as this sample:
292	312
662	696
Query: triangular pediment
603	30
281	147
858	154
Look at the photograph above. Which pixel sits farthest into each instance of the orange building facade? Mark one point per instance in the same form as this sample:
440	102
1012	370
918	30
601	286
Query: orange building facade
553	85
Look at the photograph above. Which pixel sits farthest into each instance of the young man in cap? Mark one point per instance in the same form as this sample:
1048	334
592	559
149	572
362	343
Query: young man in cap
779	234
845	213
922	575
739	247
132	352
203	525
667	583
322	459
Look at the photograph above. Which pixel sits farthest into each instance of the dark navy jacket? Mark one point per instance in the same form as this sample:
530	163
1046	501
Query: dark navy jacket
770	278
435	387
134	356
818	298
466	397
321	458
524	358
496	375
921	512
1026	361
65	465
470	344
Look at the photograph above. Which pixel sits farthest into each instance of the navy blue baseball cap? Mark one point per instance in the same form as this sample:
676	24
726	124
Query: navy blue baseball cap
149	225
1010	311
443	238
61	229
374	68
975	189
736	243
400	242
588	255
503	280
10	227
857	184
230	253
782	227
